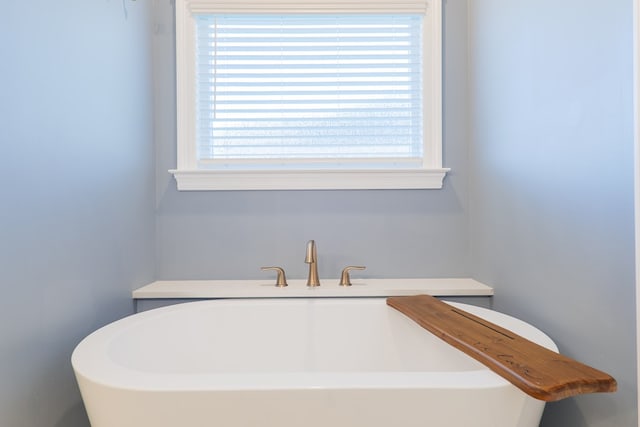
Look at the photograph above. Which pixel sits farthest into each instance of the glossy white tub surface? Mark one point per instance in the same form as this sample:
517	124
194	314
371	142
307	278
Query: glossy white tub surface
292	362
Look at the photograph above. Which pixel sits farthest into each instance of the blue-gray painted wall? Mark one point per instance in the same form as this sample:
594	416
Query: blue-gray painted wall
529	86
413	233
551	86
77	199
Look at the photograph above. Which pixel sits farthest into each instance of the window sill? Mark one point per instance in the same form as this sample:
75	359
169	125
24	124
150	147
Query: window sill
213	180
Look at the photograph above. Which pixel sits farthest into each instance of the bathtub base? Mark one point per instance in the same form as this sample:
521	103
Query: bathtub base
500	407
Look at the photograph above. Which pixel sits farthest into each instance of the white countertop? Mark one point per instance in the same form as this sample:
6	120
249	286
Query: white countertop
166	289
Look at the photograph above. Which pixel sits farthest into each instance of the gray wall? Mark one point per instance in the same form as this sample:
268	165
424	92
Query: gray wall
552	198
394	233
549	90
76	207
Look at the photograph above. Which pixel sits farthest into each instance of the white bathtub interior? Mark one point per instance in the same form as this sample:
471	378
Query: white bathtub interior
223	361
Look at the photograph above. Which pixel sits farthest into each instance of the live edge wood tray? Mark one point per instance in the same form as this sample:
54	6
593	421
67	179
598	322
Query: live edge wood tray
536	370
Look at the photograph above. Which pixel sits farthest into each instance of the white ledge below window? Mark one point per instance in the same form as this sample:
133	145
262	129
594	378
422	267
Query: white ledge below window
264	288
379	179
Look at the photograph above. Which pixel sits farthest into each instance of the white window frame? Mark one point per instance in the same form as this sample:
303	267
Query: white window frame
189	177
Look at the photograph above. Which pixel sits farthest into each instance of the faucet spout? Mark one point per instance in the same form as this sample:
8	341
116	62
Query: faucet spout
311	258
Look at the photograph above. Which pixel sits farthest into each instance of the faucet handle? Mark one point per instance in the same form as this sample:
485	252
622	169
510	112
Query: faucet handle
281	280
345	280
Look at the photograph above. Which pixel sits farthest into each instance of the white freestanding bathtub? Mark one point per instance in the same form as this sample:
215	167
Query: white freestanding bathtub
290	363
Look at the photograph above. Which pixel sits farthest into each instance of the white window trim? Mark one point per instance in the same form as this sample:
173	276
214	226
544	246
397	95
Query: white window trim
189	177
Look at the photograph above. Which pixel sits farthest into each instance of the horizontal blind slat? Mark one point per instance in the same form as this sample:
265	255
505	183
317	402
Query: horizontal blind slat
303	86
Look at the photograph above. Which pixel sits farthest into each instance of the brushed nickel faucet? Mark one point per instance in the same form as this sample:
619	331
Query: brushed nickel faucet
311	258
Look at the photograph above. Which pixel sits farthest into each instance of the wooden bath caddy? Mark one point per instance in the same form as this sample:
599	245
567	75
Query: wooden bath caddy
536	370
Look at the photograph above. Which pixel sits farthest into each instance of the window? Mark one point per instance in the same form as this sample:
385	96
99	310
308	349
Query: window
306	95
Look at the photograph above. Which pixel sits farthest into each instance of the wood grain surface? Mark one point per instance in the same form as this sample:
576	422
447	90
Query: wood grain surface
536	370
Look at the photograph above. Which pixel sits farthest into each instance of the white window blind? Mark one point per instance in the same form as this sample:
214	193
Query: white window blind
291	87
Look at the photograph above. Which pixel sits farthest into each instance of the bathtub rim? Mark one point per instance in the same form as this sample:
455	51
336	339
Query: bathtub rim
91	363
